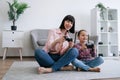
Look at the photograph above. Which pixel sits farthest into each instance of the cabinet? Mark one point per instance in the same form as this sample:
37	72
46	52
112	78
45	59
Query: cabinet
106	28
12	39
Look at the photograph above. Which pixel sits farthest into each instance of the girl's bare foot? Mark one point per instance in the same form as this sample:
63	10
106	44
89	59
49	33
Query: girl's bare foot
96	69
42	70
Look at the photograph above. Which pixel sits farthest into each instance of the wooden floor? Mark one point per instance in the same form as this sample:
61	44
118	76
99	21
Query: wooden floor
5	65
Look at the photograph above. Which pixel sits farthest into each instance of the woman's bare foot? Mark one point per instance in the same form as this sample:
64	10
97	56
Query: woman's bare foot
96	69
67	68
42	70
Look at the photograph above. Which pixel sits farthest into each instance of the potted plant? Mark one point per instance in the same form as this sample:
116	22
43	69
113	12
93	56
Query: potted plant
15	10
102	9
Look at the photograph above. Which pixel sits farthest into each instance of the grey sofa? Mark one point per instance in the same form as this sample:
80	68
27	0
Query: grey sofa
39	37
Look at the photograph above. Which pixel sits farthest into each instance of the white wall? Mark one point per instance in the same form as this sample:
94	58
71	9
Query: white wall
49	14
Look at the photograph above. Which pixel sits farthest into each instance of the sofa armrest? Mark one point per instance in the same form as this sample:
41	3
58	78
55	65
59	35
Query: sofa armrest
39	37
34	40
94	39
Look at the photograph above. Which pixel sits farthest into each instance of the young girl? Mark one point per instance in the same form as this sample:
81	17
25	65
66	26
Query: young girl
57	52
87	59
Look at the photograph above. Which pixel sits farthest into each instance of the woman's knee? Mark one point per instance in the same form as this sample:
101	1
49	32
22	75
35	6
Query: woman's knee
73	52
37	52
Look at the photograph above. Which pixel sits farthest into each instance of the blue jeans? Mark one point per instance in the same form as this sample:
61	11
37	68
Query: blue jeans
55	61
85	65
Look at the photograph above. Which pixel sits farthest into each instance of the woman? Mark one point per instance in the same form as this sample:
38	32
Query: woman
57	52
87	59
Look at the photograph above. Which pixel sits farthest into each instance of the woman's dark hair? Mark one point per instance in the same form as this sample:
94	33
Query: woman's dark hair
79	32
70	18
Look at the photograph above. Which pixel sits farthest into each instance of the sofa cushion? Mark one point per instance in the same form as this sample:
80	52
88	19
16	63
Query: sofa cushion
41	42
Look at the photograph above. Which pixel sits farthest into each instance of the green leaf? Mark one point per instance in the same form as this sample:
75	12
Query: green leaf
101	6
11	12
21	8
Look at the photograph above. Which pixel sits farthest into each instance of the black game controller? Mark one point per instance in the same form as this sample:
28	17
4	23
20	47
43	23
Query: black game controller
68	39
89	44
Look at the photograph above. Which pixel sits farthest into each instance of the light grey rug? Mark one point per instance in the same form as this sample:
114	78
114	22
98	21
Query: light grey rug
27	70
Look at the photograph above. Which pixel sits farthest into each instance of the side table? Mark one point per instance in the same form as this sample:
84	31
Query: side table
12	39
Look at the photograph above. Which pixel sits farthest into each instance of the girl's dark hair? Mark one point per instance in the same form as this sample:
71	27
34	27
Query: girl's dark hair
79	32
70	18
